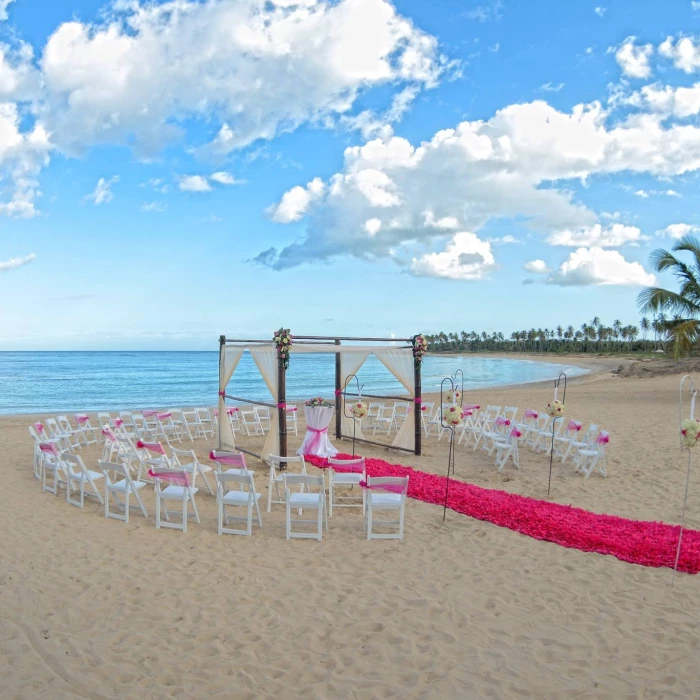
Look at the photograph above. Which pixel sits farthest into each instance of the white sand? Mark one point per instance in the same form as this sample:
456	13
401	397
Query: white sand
93	608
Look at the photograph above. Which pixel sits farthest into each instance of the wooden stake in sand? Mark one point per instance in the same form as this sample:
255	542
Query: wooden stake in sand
688	435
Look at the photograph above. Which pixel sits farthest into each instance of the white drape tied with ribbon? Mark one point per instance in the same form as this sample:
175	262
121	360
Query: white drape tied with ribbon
400	364
265	357
316	440
230	355
350	363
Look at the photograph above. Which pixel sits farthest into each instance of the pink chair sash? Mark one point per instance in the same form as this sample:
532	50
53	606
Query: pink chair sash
163	416
107	432
467	412
82	418
293	408
603	439
228	460
148	414
531	414
348	467
574	425
151	447
471	406
118	422
515	433
179	478
231	410
39	428
501	421
48	447
393	488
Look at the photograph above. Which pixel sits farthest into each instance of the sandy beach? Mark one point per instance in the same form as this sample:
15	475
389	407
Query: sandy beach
93	608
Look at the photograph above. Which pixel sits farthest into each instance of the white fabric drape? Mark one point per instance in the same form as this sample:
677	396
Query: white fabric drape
230	355
317	443
350	362
400	364
265	357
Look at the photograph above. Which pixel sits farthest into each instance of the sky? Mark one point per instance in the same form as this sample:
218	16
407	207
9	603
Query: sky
174	171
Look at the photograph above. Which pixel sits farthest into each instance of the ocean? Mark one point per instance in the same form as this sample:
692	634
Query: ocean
49	382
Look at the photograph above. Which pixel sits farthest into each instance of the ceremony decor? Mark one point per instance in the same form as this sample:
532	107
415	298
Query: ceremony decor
555	409
689	434
283	342
358	410
420	348
450	418
319	413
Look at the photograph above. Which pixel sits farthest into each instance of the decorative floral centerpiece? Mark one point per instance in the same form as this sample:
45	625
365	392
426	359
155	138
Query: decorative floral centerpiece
319	402
453	396
690	432
283	342
359	409
555	409
452	416
420	347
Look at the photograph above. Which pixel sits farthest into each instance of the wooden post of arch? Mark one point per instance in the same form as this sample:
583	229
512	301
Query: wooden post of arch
338	397
417	407
281	406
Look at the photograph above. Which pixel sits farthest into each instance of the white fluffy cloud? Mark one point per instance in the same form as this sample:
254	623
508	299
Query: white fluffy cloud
507	167
466	257
4	4
194	183
295	202
667	100
538	267
679	230
633	59
610	236
254	66
684	52
102	193
14	263
596	266
224	178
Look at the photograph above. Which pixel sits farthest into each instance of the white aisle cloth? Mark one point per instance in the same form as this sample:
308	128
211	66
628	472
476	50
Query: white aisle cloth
316	440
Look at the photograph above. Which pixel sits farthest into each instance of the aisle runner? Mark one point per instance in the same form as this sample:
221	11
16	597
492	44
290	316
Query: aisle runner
635	541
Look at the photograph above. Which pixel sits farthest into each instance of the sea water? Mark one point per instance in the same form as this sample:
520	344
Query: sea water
38	382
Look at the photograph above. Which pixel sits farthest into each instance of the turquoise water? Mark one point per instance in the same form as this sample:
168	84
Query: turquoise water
37	382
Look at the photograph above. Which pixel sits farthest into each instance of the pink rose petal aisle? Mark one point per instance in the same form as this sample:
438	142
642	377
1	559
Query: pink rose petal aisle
636	541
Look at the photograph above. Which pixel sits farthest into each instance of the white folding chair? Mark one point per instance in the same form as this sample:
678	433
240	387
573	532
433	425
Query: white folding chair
91	434
305	498
384	421
124	486
426	413
291	416
57	434
276	476
385	493
187	460
179	490
244	496
262	413
51	463
204	423
401	412
234	419
579	442
373	411
167	428
507	448
154	456
592	459
250	422
75	435
39	434
78	476
177	417
346	472
104	420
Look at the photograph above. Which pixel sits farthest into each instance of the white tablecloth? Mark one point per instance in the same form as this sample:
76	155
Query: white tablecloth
316	440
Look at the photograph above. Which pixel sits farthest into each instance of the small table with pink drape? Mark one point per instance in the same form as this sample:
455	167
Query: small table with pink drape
316	440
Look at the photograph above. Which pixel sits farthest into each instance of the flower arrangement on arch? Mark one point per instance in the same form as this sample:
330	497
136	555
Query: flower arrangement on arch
319	402
359	409
453	396
283	342
555	409
690	433
420	348
452	416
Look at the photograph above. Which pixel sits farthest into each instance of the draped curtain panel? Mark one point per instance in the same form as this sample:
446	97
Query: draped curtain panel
230	355
400	364
350	363
265	357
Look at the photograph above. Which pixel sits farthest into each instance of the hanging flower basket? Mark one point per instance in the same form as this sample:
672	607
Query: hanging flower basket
690	432
283	342
555	409
452	416
359	409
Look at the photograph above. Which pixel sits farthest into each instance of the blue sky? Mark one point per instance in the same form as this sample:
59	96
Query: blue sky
173	171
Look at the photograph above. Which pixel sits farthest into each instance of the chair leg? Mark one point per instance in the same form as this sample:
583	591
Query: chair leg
369	521
194	508
288	519
184	514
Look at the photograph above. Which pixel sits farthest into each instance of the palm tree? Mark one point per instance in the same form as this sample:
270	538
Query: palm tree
644	325
684	332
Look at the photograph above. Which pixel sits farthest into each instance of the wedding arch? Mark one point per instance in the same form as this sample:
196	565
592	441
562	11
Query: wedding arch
400	360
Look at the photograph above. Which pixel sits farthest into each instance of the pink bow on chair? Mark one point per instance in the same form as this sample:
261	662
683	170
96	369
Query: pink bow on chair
501	421
179	478
515	433
603	439
574	425
229	460
118	422
531	414
49	448
231	410
82	418
393	488
107	432
471	406
39	428
163	416
148	414
151	447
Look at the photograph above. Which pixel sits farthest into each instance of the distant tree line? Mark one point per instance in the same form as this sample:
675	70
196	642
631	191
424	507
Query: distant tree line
593	337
